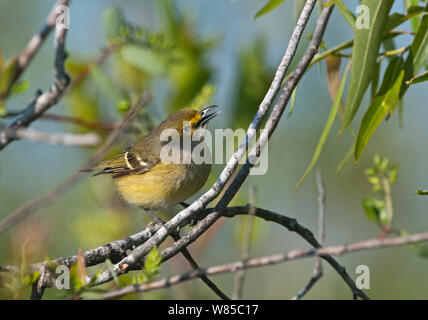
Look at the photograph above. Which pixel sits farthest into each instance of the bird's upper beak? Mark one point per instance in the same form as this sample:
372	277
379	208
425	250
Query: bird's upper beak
206	116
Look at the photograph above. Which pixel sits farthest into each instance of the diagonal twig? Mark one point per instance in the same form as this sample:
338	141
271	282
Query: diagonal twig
318	272
67	139
195	266
246	244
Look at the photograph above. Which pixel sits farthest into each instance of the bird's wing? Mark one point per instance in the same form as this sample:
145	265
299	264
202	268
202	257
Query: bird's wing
126	163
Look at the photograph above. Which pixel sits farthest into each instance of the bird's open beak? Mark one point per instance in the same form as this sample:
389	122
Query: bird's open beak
206	116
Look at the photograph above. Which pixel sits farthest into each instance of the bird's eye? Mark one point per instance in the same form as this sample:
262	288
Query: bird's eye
186	130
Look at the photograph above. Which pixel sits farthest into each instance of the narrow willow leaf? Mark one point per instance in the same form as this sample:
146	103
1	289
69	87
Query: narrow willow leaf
414	22
327	128
7	75
268	7
418	52
348	157
364	55
389	44
113	21
375	79
325	54
143	58
346	13
1	61
395	19
106	85
293	102
391	73
3	110
419	78
422	192
379	108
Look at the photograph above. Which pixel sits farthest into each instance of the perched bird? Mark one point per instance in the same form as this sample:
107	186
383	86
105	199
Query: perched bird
143	179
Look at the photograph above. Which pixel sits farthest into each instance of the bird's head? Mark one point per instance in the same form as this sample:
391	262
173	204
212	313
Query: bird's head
187	121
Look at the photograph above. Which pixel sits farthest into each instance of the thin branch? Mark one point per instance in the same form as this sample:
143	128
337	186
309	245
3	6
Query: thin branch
195	266
82	75
246	245
318	272
138	254
68	139
43	101
96	125
98	155
116	250
269	260
33	46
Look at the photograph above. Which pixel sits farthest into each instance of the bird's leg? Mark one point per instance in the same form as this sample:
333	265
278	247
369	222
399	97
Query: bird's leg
184	204
156	219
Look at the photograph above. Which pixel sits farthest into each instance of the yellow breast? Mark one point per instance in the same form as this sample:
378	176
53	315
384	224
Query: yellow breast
164	185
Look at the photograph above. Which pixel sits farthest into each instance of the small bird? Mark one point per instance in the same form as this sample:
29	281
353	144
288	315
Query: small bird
143	179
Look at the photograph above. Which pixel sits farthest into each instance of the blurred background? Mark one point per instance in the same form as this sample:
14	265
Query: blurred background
189	54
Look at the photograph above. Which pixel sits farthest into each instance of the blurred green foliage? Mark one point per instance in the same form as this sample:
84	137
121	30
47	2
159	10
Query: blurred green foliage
254	78
133	61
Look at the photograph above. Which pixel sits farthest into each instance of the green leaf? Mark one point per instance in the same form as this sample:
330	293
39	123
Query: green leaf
421	249
31	278
346	13
364	55
381	105
393	172
106	85
153	263
7	76
110	268
144	59
327	128
332	51
422	192
1	61
269	6
418	79
19	87
395	19
293	102
3	110
348	157
375	210
414	22
392	72
418	53
113	21
375	79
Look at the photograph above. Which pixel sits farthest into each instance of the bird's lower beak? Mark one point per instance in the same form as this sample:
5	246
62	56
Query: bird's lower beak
206	116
